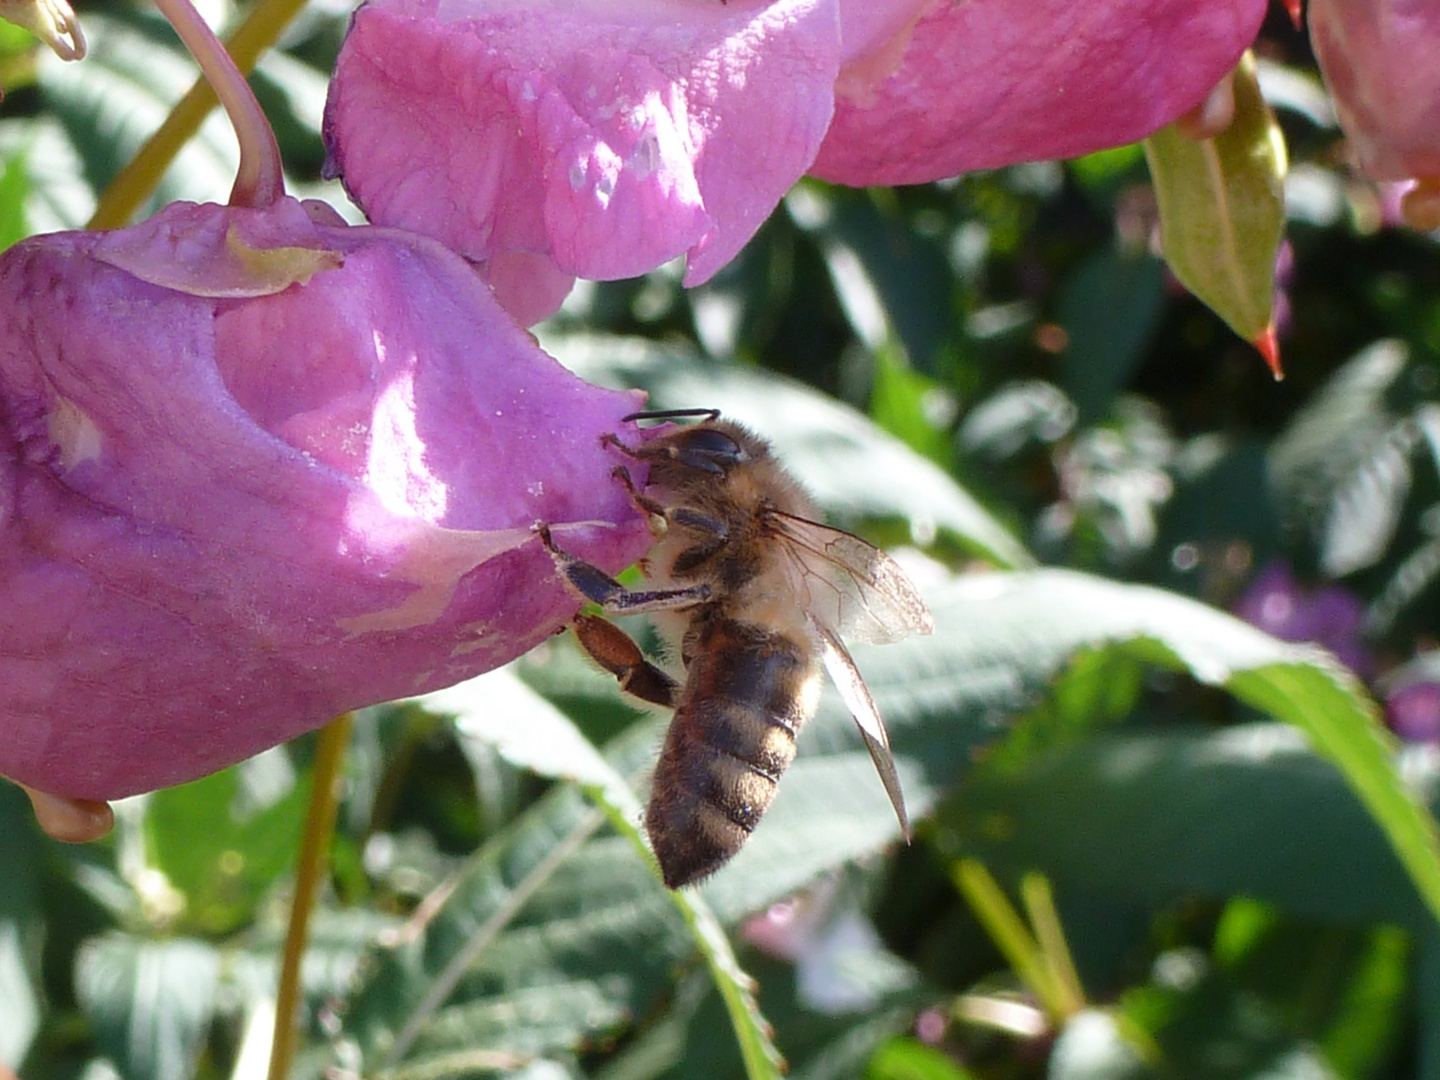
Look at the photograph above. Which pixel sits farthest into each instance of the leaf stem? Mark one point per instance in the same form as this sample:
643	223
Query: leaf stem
309	870
1039	902
1030	961
134	183
445	983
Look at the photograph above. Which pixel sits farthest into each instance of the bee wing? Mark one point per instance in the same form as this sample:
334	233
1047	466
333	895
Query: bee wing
849	586
856	695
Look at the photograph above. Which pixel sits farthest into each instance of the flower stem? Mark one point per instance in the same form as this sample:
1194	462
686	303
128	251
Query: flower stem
309	871
133	184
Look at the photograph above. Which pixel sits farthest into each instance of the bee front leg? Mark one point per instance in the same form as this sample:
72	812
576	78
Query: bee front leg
593	584
638	499
616	652
714	533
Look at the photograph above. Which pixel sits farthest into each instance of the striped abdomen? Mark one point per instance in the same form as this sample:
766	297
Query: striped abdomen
747	692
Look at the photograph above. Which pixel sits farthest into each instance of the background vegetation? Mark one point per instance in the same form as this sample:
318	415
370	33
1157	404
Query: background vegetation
1129	863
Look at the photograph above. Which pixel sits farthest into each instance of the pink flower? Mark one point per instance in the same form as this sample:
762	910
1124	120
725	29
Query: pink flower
1381	61
1331	616
985	83
261	470
1413	710
613	135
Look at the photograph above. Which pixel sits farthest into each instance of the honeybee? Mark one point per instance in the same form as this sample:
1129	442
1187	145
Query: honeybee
756	593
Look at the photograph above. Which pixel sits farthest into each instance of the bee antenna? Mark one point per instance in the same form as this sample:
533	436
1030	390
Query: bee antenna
671	414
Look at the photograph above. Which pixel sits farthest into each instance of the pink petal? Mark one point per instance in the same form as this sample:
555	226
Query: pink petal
224	520
529	287
868	26
1381	61
985	83
608	135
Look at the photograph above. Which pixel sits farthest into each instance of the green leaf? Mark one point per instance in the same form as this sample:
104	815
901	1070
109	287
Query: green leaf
58	195
1040	618
1297	999
1110	307
1000	639
20	925
221	841
1427	1005
907	1058
1343	465
1248	810
906	289
530	941
822	1042
1222	208
14	190
547	742
20	1019
151	1002
902	402
853	469
1106	168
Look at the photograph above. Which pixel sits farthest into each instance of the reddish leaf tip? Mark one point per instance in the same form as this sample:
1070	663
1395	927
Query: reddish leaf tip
1269	348
1294	7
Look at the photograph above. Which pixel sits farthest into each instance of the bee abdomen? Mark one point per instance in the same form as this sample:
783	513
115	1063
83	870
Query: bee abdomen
747	693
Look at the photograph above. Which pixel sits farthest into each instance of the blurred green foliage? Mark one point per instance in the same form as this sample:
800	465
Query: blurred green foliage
996	371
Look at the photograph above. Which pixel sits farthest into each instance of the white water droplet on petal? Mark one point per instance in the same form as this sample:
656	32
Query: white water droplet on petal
646	157
74	433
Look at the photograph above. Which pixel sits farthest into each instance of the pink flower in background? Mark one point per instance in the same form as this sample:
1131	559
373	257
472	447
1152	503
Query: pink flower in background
261	470
1381	61
1413	711
610	136
986	83
1330	616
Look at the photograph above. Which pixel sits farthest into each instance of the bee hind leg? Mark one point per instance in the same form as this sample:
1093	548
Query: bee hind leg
616	652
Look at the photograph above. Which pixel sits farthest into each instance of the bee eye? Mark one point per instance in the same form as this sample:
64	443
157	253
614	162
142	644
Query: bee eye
708	449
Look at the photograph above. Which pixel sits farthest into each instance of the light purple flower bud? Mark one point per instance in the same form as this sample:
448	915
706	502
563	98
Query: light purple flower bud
260	470
1331	616
1413	711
